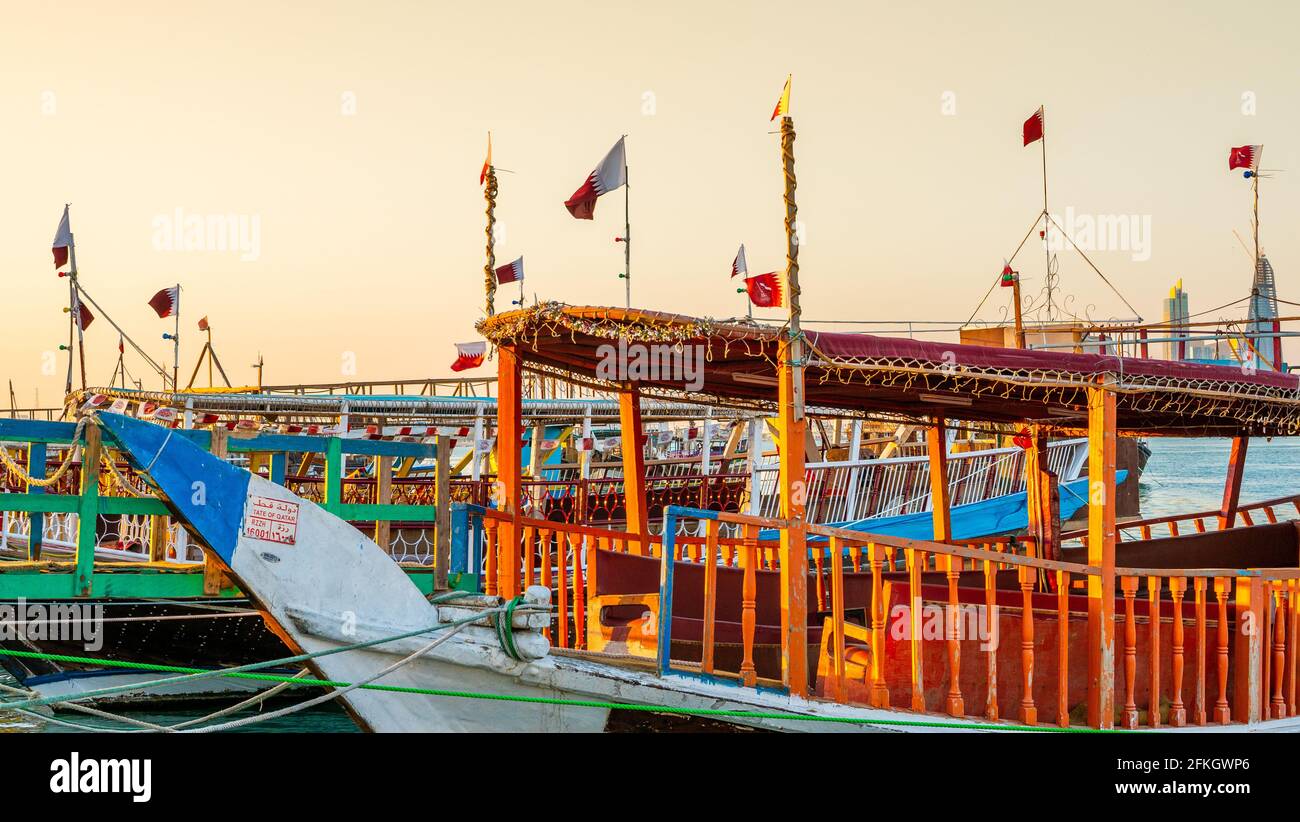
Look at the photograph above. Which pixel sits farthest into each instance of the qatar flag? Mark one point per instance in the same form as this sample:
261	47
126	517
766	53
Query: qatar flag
166	301
62	240
765	289
511	272
738	265
1244	157
84	317
469	355
1033	128
609	175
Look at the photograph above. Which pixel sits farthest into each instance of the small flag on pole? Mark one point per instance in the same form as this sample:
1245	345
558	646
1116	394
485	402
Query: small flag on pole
203	324
609	175
783	104
469	355
62	240
765	289
482	175
511	272
1033	128
164	302
738	265
1008	276
84	317
1244	157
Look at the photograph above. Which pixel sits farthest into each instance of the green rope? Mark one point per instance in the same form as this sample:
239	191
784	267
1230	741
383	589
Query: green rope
504	624
573	703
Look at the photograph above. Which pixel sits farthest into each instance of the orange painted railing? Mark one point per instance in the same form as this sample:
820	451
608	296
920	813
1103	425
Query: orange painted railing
1200	522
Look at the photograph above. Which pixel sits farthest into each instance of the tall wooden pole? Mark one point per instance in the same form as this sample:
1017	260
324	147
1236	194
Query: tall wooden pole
1102	425
1020	320
636	505
489	270
176	343
794	550
509	467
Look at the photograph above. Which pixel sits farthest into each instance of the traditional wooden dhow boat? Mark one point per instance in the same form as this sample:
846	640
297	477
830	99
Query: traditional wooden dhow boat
1211	616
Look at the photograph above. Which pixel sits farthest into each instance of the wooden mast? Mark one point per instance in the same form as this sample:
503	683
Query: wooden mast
489	269
794	551
1102	425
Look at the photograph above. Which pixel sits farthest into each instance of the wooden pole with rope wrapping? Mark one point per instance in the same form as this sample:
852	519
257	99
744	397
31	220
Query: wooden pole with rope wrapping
794	550
489	270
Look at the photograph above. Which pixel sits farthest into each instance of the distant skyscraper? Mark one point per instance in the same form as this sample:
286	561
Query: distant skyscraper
1175	320
1263	310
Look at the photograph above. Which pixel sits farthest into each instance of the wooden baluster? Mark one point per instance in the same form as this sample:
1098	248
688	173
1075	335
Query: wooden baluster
710	559
855	556
956	705
1222	711
1246	518
1270	514
1063	652
915	561
1028	712
994	631
837	615
1173	529
748	604
1154	586
1146	531
562	585
1200	525
1293	595
1177	712
1129	587
879	691
579	593
530	534
490	546
1198	710
1279	650
817	569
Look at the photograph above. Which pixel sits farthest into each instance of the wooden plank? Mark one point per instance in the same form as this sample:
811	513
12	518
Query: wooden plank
442	534
794	547
1232	483
88	512
629	414
36	455
509	468
936	446
1101	554
384	496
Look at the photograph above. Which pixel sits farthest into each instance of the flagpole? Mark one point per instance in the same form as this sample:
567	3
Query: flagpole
1254	275
627	231
176	344
792	265
489	270
1047	247
75	311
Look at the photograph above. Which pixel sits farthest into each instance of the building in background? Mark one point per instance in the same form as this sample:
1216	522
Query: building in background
1175	317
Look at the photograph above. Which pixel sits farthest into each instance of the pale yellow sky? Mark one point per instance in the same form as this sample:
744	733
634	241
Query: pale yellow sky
371	223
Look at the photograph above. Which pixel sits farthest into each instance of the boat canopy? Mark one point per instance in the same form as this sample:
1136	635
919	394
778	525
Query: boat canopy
907	379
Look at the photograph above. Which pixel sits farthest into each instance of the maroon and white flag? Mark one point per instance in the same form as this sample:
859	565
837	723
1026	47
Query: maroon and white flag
469	355
62	240
738	265
609	175
511	272
1242	157
84	317
765	289
1033	128
165	301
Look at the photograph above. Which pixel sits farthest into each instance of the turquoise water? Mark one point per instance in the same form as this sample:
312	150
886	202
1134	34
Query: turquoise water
1182	476
1186	475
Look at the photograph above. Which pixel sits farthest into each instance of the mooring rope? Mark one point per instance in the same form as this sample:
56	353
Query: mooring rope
45	482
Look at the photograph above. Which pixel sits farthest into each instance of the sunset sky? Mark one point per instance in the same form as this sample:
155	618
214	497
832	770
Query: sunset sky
351	134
